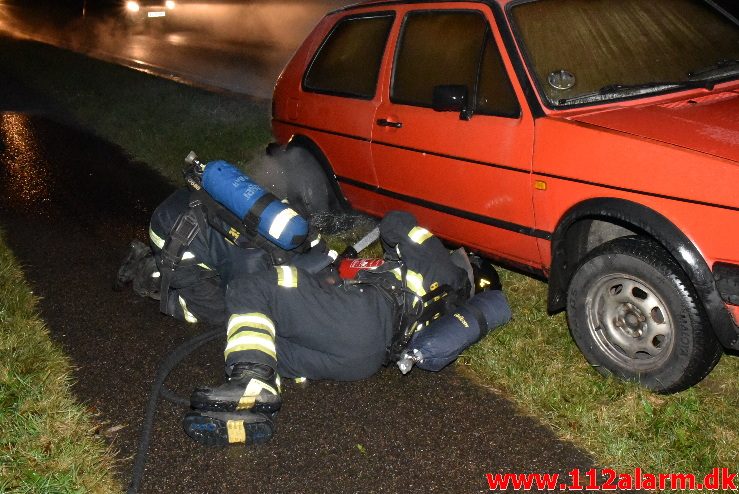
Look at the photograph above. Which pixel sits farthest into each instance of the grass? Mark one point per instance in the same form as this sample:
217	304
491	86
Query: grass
154	120
47	443
532	360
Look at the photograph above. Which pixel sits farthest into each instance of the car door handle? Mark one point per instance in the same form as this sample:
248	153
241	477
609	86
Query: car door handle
384	122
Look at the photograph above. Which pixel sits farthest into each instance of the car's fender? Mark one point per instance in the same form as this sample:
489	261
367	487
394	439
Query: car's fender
567	250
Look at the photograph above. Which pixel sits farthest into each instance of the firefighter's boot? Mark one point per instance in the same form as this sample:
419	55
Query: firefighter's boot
249	387
137	252
147	280
224	428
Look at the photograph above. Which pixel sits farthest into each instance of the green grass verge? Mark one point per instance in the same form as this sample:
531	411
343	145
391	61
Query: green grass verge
532	360
47	441
154	120
535	362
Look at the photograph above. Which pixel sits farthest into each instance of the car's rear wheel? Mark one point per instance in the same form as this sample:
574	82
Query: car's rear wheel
295	174
311	186
634	314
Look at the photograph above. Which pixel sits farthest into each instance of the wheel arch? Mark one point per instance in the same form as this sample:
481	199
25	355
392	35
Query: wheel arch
305	142
595	221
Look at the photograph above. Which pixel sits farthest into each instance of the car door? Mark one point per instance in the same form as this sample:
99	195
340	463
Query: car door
465	173
338	96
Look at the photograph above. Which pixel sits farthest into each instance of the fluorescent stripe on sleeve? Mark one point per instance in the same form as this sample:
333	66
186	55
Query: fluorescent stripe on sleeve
419	234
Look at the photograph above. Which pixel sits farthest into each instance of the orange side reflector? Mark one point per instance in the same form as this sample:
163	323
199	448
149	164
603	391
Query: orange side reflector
540	185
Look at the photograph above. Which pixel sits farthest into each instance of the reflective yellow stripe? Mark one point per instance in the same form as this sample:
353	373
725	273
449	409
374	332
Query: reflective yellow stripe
159	242
280	222
249	340
287	276
415	282
246	403
252	320
419	234
251	393
236	431
156	239
250	348
188	315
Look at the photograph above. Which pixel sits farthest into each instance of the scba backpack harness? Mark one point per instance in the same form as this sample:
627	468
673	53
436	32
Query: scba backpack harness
239	209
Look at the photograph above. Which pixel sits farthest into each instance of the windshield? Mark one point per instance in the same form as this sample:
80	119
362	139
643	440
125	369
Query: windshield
589	51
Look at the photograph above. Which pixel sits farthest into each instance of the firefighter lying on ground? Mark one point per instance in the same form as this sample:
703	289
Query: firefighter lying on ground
289	315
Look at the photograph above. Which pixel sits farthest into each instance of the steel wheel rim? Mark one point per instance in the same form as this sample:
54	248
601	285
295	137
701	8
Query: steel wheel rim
629	321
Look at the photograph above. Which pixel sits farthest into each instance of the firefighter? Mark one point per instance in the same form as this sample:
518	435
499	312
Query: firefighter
288	322
195	290
284	316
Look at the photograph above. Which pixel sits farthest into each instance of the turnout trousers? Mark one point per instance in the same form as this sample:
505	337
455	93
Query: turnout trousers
304	327
197	286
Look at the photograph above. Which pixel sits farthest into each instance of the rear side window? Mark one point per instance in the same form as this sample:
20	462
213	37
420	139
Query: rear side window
348	62
451	48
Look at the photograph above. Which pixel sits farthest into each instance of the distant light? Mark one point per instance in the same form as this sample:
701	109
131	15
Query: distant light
132	6
170	4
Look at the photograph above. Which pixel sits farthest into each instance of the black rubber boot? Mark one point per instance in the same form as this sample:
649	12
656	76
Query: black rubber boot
250	387
224	428
137	251
147	280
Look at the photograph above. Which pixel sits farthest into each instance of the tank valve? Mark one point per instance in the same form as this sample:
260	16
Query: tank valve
408	360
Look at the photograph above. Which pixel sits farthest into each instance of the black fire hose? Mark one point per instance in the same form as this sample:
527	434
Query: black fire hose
157	388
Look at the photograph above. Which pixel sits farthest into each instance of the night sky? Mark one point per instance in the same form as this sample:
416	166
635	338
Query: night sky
71	8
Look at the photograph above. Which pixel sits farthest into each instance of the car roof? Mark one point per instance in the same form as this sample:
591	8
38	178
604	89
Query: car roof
374	3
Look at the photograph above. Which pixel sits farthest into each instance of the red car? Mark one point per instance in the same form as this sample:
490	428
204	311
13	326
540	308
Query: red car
590	142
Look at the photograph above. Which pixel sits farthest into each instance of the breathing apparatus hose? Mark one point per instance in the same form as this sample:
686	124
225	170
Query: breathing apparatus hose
157	388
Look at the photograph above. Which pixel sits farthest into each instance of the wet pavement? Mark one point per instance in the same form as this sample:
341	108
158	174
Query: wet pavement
234	46
69	205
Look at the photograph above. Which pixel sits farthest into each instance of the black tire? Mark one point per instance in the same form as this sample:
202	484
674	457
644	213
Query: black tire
297	175
634	314
311	188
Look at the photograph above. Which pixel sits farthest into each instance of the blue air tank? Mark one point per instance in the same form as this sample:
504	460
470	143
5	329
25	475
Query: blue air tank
256	207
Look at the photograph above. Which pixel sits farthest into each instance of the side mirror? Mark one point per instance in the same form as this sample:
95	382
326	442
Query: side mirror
452	97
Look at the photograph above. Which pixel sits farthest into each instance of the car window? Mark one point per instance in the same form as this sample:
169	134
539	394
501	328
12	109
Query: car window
587	51
348	62
451	48
495	95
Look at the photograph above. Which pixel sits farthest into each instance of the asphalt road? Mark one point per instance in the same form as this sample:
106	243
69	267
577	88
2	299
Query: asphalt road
238	47
69	204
